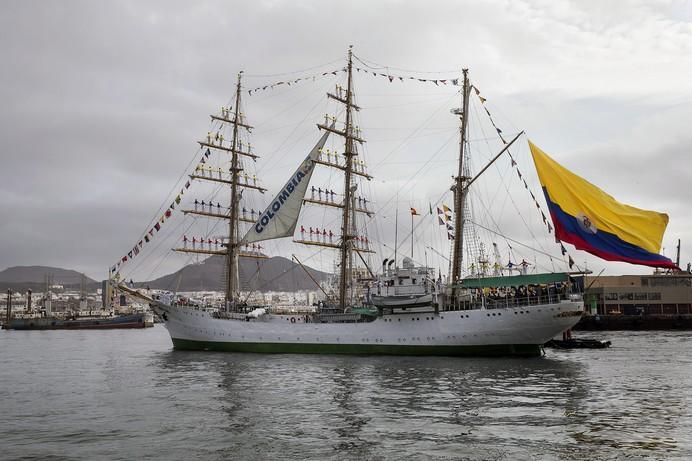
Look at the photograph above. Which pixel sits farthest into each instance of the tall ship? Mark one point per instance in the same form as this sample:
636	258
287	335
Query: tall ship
407	309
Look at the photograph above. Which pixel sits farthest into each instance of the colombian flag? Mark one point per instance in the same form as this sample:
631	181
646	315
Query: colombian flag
593	221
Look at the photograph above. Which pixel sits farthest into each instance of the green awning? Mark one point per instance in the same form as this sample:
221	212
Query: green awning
514	280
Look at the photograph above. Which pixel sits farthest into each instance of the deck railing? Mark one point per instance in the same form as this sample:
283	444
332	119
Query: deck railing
508	301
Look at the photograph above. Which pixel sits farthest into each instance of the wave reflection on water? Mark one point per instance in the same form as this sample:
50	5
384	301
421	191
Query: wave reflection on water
127	395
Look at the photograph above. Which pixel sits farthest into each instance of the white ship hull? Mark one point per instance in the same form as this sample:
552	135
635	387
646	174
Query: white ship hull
505	331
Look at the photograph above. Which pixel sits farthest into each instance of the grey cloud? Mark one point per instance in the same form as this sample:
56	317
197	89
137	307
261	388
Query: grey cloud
103	102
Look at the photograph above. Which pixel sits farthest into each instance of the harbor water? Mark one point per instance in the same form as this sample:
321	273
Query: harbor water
125	394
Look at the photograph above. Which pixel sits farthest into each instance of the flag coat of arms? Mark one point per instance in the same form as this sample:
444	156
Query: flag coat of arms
595	222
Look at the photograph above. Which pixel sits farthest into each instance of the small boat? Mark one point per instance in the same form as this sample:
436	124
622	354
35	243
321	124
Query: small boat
576	343
408	286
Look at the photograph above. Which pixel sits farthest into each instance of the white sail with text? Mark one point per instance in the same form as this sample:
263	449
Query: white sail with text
280	217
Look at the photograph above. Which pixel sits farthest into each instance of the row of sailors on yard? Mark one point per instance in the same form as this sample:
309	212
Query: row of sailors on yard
252	213
330	194
227	111
210	207
317	235
252	248
216	139
201	242
203	205
355	130
326	155
207	171
316	232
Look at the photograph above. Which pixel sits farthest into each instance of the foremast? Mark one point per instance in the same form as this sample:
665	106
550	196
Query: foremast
231	249
232	278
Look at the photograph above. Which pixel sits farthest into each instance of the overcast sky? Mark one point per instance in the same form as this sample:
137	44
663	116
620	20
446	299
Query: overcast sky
102	103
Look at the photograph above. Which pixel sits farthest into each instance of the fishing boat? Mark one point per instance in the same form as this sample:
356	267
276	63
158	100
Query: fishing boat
402	310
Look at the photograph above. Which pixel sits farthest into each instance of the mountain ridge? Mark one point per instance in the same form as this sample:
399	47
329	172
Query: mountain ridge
270	274
36	274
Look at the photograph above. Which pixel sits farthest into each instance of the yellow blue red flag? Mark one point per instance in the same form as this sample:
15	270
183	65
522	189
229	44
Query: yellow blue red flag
593	221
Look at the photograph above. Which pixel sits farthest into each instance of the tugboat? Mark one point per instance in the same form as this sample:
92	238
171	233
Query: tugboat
568	342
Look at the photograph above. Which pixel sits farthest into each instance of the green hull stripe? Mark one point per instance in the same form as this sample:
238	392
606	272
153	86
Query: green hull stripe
523	350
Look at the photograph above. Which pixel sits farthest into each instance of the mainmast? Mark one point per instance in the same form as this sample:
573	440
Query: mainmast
234	119
459	186
346	231
348	206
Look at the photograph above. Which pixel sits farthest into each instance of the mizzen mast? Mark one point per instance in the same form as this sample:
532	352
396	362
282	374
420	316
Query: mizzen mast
459	185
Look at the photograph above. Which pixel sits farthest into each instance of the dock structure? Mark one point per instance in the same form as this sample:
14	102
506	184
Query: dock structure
8	316
653	294
638	302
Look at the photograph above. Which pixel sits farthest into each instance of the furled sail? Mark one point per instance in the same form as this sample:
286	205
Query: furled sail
593	221
281	216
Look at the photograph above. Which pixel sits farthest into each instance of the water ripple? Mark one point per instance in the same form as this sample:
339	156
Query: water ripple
127	395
